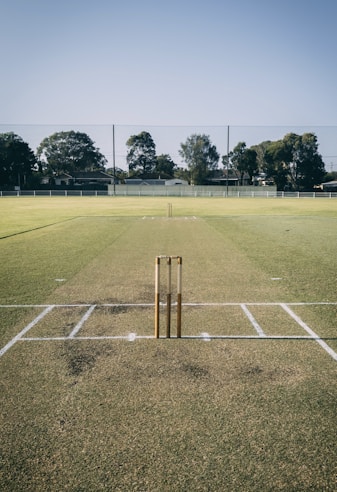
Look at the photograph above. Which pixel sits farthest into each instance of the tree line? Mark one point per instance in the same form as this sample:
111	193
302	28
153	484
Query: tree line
292	163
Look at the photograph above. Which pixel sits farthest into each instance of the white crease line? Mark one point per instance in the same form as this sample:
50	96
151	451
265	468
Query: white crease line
127	305
250	337
25	330
204	336
253	321
117	337
227	304
43	339
106	337
298	320
82	321
188	304
43	305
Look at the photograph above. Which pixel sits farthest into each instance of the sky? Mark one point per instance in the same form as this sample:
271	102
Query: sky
169	63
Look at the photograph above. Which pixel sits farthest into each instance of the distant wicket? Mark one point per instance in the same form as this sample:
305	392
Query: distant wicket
168	295
169	209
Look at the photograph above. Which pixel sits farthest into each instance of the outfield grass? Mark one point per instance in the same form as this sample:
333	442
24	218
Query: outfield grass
168	415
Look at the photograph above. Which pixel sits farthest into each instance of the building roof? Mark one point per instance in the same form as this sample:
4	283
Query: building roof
329	186
91	175
146	182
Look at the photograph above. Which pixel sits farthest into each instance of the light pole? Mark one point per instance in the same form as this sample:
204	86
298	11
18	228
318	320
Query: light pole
114	157
227	160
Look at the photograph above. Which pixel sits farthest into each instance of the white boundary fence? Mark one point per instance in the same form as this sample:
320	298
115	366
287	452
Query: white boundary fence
171	191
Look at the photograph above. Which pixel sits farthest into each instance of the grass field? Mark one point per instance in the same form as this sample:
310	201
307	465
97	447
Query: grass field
244	401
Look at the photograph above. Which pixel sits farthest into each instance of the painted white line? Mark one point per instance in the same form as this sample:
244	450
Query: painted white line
117	337
43	339
25	330
325	303
103	337
42	305
253	321
188	304
151	337
298	320
128	305
204	336
82	321
250	337
224	304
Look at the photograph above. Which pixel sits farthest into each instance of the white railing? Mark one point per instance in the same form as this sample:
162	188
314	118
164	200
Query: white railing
186	191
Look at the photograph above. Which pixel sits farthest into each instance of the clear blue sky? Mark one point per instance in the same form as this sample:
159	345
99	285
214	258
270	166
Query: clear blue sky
186	62
169	63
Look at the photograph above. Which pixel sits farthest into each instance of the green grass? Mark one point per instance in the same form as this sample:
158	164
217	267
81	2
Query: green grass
167	415
22	214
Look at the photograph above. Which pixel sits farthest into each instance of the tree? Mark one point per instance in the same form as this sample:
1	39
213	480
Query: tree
260	150
119	173
332	176
307	167
244	160
68	152
141	157
276	164
165	167
182	173
294	162
17	160
200	156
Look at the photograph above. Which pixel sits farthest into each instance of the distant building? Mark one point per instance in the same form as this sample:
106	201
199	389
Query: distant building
232	178
80	178
175	181
155	182
329	186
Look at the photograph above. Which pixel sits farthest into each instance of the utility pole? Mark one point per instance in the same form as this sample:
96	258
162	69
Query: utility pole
227	160
114	157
